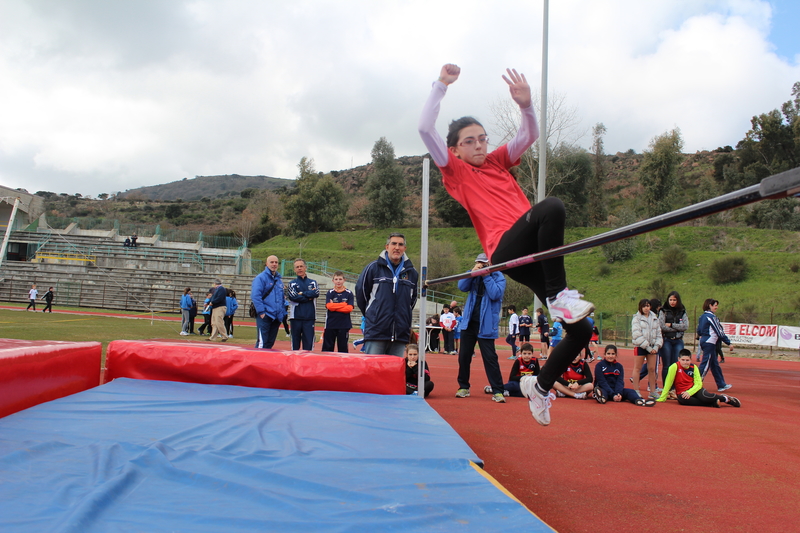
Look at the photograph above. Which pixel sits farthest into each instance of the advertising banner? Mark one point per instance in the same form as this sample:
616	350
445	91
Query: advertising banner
789	337
755	334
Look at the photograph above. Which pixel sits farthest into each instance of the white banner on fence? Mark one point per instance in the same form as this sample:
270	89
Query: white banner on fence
751	333
789	337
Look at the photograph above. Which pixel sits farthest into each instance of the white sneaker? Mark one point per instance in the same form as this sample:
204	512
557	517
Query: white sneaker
568	306
539	405
184	333
580	395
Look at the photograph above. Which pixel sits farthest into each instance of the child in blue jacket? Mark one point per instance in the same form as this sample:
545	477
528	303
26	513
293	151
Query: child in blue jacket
610	381
231	305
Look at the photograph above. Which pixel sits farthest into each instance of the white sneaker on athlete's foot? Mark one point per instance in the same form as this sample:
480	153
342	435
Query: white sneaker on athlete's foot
568	306
539	405
184	333
726	387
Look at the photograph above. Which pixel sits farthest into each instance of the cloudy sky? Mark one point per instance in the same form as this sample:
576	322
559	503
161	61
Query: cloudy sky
108	95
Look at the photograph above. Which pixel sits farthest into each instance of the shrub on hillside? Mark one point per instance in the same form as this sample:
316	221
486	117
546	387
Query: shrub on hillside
728	270
604	271
673	259
620	250
658	289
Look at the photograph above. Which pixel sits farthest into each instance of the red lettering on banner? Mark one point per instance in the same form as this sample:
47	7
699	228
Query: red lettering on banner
729	329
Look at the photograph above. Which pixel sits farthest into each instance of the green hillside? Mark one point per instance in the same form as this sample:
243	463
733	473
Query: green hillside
772	287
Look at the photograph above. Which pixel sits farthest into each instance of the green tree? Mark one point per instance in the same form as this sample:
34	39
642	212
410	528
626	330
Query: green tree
316	203
449	210
598	212
659	171
385	188
571	170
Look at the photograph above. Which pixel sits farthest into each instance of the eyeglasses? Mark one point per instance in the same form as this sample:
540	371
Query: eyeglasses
470	141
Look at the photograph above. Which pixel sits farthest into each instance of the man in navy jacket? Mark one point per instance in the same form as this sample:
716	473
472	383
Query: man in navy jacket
386	293
303	294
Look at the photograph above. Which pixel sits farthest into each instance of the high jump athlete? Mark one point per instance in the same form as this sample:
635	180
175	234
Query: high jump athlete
507	226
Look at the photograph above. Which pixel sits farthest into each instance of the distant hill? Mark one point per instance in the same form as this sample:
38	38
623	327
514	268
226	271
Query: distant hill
205	187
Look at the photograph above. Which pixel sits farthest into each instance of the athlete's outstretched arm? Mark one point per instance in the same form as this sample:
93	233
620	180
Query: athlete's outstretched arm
529	129
427	121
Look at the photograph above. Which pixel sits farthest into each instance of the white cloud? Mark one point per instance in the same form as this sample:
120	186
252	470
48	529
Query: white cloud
103	96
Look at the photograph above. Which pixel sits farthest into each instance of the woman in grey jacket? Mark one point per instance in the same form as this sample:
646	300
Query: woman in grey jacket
646	337
674	322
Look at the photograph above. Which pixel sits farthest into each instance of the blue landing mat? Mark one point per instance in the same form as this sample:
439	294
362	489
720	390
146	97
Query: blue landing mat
136	455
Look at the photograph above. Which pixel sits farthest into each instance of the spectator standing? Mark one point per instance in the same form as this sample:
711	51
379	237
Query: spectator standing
339	303
457	328
192	314
710	331
525	323
205	329
386	293
48	298
268	299
513	330
186	306
646	337
134	238
544	332
481	324
448	322
303	293
218	308
556	333
231	306
432	328
32	295
674	322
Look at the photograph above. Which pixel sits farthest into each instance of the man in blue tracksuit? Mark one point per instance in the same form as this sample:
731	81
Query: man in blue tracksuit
480	324
267	295
386	293
303	293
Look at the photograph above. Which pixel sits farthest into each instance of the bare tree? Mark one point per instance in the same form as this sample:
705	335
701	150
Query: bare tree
563	135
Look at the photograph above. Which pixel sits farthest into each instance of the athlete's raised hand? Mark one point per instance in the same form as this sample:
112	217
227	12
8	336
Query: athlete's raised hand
449	73
519	88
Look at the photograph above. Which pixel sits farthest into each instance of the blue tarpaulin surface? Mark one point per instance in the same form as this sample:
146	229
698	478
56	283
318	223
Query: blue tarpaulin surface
135	455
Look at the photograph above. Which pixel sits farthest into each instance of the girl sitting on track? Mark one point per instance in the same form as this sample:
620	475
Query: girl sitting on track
507	226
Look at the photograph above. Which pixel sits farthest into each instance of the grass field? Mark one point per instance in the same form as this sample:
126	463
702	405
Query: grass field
770	288
63	326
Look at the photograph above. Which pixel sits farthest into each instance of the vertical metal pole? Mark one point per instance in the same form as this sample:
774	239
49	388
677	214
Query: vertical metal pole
541	189
423	263
8	230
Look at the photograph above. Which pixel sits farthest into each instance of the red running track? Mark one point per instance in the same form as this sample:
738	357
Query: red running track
619	467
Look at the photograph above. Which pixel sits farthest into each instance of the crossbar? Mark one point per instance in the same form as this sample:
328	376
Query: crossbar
780	185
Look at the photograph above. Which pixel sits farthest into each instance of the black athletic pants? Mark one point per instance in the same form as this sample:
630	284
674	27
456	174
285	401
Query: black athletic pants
542	228
468	339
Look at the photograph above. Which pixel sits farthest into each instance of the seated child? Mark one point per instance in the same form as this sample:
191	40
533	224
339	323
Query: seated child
576	382
610	380
524	365
689	385
412	377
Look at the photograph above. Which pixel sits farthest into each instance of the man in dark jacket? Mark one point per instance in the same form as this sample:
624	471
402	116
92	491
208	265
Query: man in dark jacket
386	293
267	295
303	293
218	307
